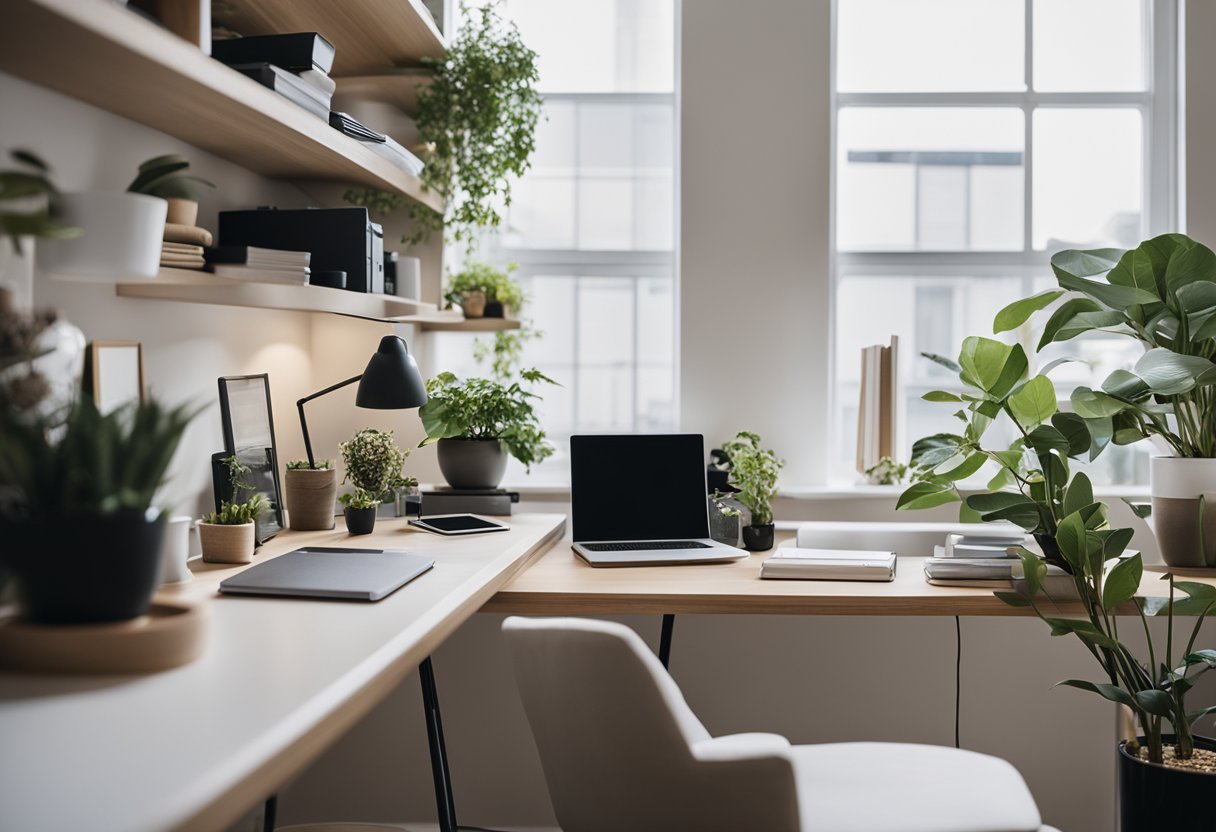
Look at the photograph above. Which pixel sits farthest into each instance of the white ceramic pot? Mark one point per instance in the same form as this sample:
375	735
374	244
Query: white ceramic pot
176	550
1182	489
409	277
121	239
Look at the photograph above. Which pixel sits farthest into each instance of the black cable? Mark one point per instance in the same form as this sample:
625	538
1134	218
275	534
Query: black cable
958	677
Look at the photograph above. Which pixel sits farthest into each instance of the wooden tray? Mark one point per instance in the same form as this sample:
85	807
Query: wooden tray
171	634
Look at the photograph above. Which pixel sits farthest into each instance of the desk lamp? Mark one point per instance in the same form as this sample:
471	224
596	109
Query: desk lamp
391	381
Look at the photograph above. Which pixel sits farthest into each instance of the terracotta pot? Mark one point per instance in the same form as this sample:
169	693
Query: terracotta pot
182	211
472	463
473	304
309	495
1177	486
227	544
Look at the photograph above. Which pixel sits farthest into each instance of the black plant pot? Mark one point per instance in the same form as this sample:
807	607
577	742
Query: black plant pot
1153	797
758	538
472	463
360	520
494	309
84	568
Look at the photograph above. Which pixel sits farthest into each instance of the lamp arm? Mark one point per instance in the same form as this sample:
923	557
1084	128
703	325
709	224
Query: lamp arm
304	422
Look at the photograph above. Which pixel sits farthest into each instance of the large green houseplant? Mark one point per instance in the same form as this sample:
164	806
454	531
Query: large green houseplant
478	422
1163	295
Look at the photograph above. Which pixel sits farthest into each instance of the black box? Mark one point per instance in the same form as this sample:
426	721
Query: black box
296	51
340	239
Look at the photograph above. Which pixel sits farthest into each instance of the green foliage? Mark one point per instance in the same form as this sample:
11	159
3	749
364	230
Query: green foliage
504	351
753	470
29	186
481	277
87	463
302	464
479	114
887	472
359	499
479	408
374	463
1163	294
240	510
164	176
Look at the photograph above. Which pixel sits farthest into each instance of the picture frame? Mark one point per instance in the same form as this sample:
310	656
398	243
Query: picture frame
114	374
247	422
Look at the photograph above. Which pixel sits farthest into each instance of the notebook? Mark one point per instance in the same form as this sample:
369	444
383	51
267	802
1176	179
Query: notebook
322	572
794	563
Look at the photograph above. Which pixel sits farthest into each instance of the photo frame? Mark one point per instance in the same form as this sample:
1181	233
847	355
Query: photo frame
114	374
247	421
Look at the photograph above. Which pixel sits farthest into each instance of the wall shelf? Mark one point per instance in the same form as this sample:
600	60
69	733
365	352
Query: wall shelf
445	322
188	286
132	67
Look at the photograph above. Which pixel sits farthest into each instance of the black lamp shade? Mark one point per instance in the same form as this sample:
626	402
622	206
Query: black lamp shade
392	380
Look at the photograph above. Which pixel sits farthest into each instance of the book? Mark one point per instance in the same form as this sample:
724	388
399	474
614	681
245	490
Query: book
997	569
298	277
294	51
182	248
289	86
794	563
191	234
879	405
981	546
258	257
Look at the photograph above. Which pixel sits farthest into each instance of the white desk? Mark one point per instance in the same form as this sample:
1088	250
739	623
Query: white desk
282	679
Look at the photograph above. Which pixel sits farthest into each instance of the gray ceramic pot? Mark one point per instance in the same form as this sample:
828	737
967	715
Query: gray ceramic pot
472	463
1184	498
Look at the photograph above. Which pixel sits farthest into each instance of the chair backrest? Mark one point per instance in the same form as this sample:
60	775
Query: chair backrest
619	745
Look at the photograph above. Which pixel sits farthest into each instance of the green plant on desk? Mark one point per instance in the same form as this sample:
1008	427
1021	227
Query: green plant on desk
240	509
374	464
303	465
753	470
359	499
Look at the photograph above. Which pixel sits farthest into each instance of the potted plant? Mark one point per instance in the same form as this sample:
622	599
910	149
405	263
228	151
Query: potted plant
1163	294
374	466
310	493
479	422
82	539
25	192
228	535
165	177
752	471
493	289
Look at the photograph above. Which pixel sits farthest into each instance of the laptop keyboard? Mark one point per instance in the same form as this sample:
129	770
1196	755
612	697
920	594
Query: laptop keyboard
642	545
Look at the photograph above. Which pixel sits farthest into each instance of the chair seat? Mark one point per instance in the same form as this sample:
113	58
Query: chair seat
897	787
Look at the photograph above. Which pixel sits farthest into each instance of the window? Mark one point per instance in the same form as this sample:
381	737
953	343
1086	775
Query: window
974	138
592	224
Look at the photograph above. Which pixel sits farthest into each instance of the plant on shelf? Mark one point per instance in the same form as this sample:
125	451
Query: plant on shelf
165	177
887	471
374	467
478	422
505	352
77	488
24	201
491	292
752	471
1163	295
228	535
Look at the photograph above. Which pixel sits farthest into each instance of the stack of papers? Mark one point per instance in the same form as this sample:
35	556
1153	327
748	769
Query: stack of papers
793	563
260	265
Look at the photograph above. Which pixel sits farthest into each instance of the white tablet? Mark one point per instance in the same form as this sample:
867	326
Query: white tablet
458	524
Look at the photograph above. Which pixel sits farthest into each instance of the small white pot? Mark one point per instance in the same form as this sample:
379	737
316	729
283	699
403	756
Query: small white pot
409	277
176	550
121	239
1176	486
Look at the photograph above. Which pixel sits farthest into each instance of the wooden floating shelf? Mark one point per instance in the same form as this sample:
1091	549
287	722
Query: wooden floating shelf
189	286
368	35
454	323
397	87
130	66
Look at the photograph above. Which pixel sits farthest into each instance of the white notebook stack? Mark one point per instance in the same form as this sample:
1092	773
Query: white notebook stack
794	563
262	265
986	558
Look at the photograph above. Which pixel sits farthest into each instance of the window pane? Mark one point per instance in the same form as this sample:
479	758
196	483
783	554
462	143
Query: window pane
1089	45
599	45
943	179
1087	178
930	45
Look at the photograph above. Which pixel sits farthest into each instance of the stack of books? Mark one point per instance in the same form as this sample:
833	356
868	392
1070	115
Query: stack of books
183	246
878	405
794	563
491	501
986	558
260	265
296	66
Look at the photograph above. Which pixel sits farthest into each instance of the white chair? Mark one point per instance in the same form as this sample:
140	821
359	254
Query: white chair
621	750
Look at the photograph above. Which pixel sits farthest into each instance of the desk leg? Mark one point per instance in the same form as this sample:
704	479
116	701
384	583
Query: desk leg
270	813
444	802
669	623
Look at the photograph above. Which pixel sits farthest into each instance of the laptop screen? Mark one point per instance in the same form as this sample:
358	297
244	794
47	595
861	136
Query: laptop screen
638	487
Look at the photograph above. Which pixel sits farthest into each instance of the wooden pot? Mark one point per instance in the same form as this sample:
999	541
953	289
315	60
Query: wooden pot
309	495
182	211
227	544
473	304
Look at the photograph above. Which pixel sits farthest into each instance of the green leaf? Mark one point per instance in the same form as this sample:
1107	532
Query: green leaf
996	501
1078	494
926	495
1168	373
1206	657
1034	402
1062	317
1091	404
1115	541
1075	430
1086	263
1194	716
941	396
1194	589
1155	702
1141	510
932	451
992	366
1070	538
1013	599
1198	299
1126	386
1084	630
1141	268
1018	312
948	363
1111	692
1190	263
963	470
1122	582
1034	570
1046	438
1111	296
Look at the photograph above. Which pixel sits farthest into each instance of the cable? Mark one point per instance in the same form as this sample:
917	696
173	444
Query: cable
958	677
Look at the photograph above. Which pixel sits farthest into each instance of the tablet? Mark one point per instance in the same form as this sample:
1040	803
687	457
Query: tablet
458	524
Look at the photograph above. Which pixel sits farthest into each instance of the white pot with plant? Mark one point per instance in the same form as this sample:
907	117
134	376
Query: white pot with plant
374	466
1163	294
752	470
228	535
310	493
479	422
166	177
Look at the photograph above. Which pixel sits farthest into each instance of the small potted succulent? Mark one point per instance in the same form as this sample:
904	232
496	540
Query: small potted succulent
82	539
165	177
374	466
310	492
753	472
228	535
484	291
479	422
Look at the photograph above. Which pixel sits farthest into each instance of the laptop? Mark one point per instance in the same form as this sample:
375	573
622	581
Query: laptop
330	572
641	500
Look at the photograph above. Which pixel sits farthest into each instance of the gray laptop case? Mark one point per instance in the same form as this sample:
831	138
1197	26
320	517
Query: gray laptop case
319	572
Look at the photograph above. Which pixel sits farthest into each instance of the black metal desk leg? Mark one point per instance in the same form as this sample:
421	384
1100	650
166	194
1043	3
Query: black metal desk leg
270	813
669	623
444	802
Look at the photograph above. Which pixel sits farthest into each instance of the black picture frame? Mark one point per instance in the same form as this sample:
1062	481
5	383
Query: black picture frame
247	421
